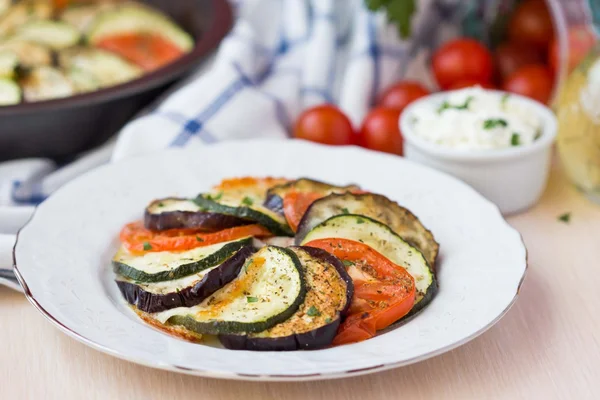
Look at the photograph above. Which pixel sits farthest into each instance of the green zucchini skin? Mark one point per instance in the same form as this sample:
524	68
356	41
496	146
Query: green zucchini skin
186	269
247	213
232	327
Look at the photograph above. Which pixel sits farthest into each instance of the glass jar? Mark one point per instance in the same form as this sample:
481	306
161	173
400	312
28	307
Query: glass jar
578	111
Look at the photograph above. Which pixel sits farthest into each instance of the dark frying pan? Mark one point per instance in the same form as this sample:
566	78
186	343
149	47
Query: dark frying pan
61	128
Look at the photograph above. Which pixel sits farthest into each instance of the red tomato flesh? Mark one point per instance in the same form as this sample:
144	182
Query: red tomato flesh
383	291
147	50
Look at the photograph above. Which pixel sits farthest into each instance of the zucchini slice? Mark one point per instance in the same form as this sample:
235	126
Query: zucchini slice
268	290
183	292
82	80
178	213
245	200
10	92
377	207
164	265
45	83
381	238
107	69
8	64
137	18
29	54
22	12
54	34
81	16
329	291
275	195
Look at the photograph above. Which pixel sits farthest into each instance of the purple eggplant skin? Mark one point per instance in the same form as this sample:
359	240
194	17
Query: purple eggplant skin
191	296
190	219
313	340
274	203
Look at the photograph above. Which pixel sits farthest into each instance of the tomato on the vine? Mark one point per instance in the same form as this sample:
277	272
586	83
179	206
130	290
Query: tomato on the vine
324	124
381	131
401	94
534	81
531	24
462	59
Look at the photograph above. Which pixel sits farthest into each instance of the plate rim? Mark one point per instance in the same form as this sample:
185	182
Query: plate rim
265	377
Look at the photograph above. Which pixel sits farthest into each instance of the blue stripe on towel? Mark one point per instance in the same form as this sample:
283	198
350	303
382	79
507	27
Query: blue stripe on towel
194	126
374	53
27	194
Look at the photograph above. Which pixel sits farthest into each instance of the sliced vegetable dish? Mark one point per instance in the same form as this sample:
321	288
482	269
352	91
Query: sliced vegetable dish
272	264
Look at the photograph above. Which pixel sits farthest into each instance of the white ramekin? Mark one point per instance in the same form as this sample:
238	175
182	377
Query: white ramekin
513	178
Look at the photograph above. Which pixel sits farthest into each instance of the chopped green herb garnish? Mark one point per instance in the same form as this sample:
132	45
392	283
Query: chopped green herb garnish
313	312
161	204
515	139
345	210
504	99
251	299
198	238
537	135
147	246
348	263
247	201
494	123
446	105
328	320
360	221
217	196
566	218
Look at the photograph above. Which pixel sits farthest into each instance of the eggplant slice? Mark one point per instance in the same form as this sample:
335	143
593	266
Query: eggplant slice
329	291
178	213
385	241
165	265
377	207
275	195
184	292
268	290
45	83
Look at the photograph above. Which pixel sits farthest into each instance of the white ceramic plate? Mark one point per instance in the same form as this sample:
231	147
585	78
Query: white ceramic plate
63	258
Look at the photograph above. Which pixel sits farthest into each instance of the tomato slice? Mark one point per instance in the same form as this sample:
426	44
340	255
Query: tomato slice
295	205
138	239
383	291
147	50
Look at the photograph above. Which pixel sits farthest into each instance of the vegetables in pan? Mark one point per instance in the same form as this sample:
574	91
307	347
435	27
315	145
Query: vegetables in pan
53	50
211	266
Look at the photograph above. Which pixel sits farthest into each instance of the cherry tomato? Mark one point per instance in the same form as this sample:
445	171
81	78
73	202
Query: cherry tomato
580	41
401	94
380	131
531	24
509	57
534	81
324	124
462	59
470	83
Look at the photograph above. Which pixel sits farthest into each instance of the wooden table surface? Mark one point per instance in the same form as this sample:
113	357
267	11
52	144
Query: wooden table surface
546	347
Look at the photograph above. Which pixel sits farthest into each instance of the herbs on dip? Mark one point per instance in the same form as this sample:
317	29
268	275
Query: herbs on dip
477	119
